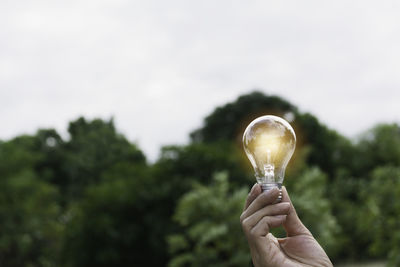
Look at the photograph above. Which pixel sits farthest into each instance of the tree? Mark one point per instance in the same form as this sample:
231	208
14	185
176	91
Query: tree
94	146
30	217
31	226
118	222
345	199
179	166
380	211
229	121
19	153
34	169
326	148
378	146
211	233
308	194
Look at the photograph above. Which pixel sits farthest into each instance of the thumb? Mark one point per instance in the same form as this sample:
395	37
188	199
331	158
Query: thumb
293	226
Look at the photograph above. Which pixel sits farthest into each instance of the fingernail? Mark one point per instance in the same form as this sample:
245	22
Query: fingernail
253	189
254	186
281	217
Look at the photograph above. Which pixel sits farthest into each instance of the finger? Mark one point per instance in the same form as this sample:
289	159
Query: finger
293	226
262	200
270	210
254	192
265	224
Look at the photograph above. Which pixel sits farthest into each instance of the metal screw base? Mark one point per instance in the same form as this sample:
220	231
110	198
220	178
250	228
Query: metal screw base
267	187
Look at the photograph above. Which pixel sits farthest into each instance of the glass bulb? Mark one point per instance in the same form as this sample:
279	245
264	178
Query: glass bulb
269	143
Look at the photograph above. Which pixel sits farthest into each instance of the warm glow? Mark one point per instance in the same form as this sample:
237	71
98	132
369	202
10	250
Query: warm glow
269	142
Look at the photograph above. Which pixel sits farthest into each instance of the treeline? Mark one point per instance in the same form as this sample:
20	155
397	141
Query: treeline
93	200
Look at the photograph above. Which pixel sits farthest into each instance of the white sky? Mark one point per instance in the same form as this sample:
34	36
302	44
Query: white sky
159	67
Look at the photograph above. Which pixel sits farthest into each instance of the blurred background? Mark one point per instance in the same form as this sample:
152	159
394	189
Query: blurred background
120	142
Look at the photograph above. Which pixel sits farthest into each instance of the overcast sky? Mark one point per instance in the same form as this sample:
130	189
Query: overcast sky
159	67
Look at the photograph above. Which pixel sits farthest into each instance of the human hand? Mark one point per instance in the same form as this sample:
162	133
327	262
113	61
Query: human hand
260	214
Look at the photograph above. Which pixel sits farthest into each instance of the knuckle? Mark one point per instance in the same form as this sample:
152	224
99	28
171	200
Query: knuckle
266	223
253	232
246	229
242	217
265	220
245	224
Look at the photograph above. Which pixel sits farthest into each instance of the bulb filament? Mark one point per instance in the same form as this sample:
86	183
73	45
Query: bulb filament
269	168
269	173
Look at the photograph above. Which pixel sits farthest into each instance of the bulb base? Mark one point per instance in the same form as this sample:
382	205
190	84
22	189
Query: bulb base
267	187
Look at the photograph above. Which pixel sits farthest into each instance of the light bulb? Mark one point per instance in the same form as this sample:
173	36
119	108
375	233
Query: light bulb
269	143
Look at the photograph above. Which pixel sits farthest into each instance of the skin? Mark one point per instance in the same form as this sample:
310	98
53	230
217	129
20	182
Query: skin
260	214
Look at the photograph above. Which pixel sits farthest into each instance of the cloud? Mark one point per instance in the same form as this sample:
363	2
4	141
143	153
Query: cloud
159	67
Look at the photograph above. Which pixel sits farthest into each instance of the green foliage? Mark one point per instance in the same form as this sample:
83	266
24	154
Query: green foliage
93	147
326	148
379	216
344	196
378	146
20	153
308	193
211	234
30	217
30	221
93	200
200	161
229	121
178	167
119	222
